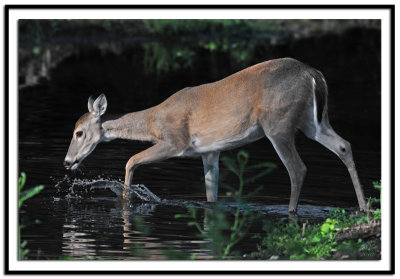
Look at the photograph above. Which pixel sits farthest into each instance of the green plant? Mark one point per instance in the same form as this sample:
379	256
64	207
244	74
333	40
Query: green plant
214	35
27	194
377	185
221	235
318	241
344	217
291	241
23	196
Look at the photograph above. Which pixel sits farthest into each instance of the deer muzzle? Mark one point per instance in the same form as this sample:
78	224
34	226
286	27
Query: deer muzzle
69	165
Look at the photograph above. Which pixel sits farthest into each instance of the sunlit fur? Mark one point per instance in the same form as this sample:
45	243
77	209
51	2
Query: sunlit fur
271	99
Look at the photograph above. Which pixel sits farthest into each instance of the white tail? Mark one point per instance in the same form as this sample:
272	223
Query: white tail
271	99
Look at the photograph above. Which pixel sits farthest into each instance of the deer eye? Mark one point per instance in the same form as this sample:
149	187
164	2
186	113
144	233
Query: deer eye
79	134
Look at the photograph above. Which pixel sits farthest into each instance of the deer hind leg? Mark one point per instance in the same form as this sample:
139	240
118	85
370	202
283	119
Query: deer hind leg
211	173
325	135
158	152
284	146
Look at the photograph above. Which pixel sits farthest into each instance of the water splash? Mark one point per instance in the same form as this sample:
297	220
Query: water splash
76	188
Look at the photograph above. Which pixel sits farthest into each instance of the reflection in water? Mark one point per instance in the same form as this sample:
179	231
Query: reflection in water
136	242
97	227
81	230
88	235
77	244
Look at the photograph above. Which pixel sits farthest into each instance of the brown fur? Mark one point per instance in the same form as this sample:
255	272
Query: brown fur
82	120
223	109
273	99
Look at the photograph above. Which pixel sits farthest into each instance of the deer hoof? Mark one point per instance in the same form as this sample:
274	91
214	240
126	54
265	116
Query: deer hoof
364	207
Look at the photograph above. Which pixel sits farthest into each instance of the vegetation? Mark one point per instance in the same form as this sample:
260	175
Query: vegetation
233	37
338	237
220	234
171	44
316	241
322	241
22	197
27	194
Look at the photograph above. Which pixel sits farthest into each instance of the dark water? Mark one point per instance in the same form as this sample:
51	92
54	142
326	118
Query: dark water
81	214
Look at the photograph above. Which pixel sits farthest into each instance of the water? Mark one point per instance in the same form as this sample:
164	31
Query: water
82	214
87	219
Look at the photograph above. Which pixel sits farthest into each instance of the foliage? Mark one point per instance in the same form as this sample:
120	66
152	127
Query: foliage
23	196
289	241
161	58
27	194
294	240
377	213
219	232
228	36
169	44
377	185
316	241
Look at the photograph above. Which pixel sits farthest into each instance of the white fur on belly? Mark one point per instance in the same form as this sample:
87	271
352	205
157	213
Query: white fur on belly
253	133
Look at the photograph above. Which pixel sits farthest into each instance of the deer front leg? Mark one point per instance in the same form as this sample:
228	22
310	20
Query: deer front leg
158	152
211	173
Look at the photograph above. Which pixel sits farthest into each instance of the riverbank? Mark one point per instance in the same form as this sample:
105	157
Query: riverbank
343	236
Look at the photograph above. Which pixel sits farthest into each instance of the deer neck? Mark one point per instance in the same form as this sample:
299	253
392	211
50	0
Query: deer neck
131	126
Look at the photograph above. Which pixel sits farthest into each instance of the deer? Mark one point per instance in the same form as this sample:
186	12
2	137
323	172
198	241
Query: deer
272	99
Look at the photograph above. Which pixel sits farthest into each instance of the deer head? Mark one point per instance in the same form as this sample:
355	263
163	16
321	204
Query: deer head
87	133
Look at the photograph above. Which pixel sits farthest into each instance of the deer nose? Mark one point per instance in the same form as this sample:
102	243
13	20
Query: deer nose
67	165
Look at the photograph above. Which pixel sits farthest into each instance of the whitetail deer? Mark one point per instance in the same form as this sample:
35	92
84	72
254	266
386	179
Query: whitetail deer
273	99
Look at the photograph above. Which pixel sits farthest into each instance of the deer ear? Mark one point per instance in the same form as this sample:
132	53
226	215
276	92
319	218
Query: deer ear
100	105
90	104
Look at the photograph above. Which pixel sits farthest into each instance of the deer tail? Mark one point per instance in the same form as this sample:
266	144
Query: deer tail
320	95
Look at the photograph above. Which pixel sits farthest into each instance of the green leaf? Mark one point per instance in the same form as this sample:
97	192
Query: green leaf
257	176
29	194
262	165
177	216
212	46
192	211
243	158
231	165
23	244
325	228
21	181
36	50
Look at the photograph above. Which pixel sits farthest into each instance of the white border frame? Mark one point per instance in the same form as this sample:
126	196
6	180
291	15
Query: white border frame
362	266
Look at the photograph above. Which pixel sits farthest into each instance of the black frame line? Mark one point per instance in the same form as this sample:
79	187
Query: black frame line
7	9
